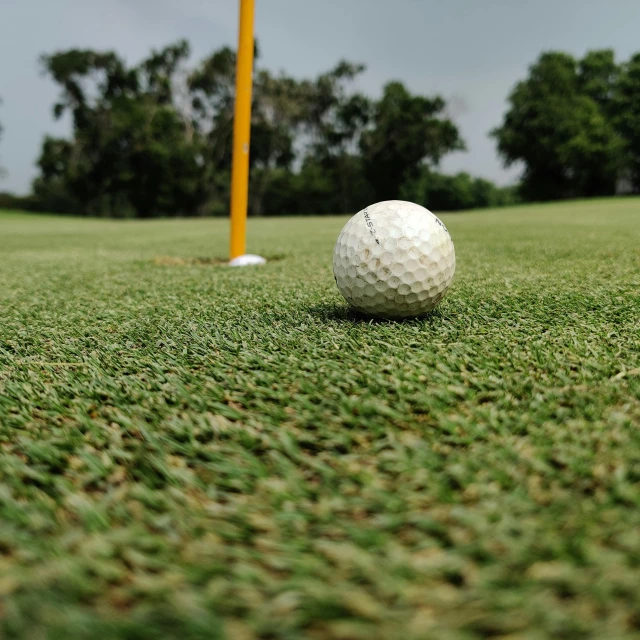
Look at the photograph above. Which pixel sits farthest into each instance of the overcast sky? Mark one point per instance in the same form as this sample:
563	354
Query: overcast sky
470	51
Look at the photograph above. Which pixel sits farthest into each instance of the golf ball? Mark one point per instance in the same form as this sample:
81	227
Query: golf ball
394	259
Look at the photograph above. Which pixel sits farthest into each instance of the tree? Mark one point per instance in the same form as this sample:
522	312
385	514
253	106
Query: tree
627	116
88	80
277	114
130	154
406	132
211	94
440	192
598	75
336	118
557	126
53	187
156	138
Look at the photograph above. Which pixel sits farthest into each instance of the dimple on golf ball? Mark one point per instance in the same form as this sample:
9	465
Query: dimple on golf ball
394	259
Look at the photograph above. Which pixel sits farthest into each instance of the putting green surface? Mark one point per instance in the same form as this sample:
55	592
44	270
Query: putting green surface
188	450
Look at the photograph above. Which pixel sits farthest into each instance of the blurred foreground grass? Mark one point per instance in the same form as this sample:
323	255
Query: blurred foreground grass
197	452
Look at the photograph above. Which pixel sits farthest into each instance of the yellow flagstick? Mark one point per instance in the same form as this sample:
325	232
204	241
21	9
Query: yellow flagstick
242	130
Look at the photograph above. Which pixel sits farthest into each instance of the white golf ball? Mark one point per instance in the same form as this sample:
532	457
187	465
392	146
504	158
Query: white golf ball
394	259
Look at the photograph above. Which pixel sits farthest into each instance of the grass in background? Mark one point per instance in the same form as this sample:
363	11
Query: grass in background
198	452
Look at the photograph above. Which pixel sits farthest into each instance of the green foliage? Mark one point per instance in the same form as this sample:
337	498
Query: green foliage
406	131
317	188
574	125
53	187
558	127
211	95
336	119
278	115
598	75
156	139
199	452
627	116
130	154
10	201
455	193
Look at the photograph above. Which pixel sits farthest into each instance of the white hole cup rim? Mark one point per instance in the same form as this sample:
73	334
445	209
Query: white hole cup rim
247	260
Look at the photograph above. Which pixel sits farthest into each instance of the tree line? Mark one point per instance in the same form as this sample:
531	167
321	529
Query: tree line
155	139
575	126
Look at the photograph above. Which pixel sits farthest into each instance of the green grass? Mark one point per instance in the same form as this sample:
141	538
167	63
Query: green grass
192	451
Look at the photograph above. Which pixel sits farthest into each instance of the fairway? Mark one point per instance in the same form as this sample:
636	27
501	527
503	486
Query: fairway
188	450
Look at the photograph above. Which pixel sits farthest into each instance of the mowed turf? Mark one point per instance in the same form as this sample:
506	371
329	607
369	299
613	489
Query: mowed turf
192	451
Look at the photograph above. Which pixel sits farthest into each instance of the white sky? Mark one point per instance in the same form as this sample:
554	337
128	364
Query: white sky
471	51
